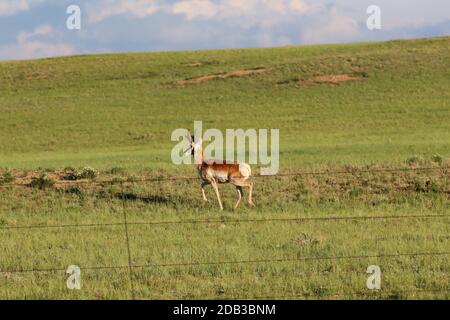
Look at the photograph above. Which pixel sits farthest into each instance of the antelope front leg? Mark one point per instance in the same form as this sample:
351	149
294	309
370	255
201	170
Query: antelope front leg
216	190
250	201
239	190
204	184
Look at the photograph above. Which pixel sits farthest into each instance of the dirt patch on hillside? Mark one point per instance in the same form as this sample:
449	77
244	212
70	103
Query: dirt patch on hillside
224	75
334	79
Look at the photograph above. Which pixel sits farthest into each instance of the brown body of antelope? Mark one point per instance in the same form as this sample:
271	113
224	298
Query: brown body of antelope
214	173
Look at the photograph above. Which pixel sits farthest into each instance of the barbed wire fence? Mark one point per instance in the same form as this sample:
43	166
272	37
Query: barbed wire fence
293	174
270	295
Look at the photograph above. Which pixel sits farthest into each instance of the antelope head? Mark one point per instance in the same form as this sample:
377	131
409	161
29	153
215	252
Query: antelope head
193	144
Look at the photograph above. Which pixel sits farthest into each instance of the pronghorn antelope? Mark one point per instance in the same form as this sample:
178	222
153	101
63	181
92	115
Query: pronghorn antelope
215	172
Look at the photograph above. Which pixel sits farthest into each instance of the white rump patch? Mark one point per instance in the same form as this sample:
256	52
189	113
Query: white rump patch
245	170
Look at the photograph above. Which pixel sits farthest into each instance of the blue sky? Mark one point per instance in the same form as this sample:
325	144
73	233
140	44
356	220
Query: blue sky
37	28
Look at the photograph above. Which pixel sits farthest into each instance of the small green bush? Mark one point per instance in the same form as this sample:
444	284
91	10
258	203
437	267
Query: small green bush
7	177
70	175
87	173
414	160
74	190
437	158
42	182
132	179
117	170
117	181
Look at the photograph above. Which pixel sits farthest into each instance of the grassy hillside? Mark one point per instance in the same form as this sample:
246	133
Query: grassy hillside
309	236
119	110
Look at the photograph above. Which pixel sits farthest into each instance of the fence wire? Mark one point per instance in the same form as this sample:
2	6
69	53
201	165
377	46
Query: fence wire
294	174
130	266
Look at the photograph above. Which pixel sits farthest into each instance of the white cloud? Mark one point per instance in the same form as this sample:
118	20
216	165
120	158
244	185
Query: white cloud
44	30
103	9
195	8
300	6
32	45
264	13
243	12
332	27
11	7
265	39
35	50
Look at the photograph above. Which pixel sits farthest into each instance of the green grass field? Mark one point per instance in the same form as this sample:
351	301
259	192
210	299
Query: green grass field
116	113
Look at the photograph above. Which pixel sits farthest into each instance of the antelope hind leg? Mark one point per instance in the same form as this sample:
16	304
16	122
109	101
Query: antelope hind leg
249	185
240	193
250	201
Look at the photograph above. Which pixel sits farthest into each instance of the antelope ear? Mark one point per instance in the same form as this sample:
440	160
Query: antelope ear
189	137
